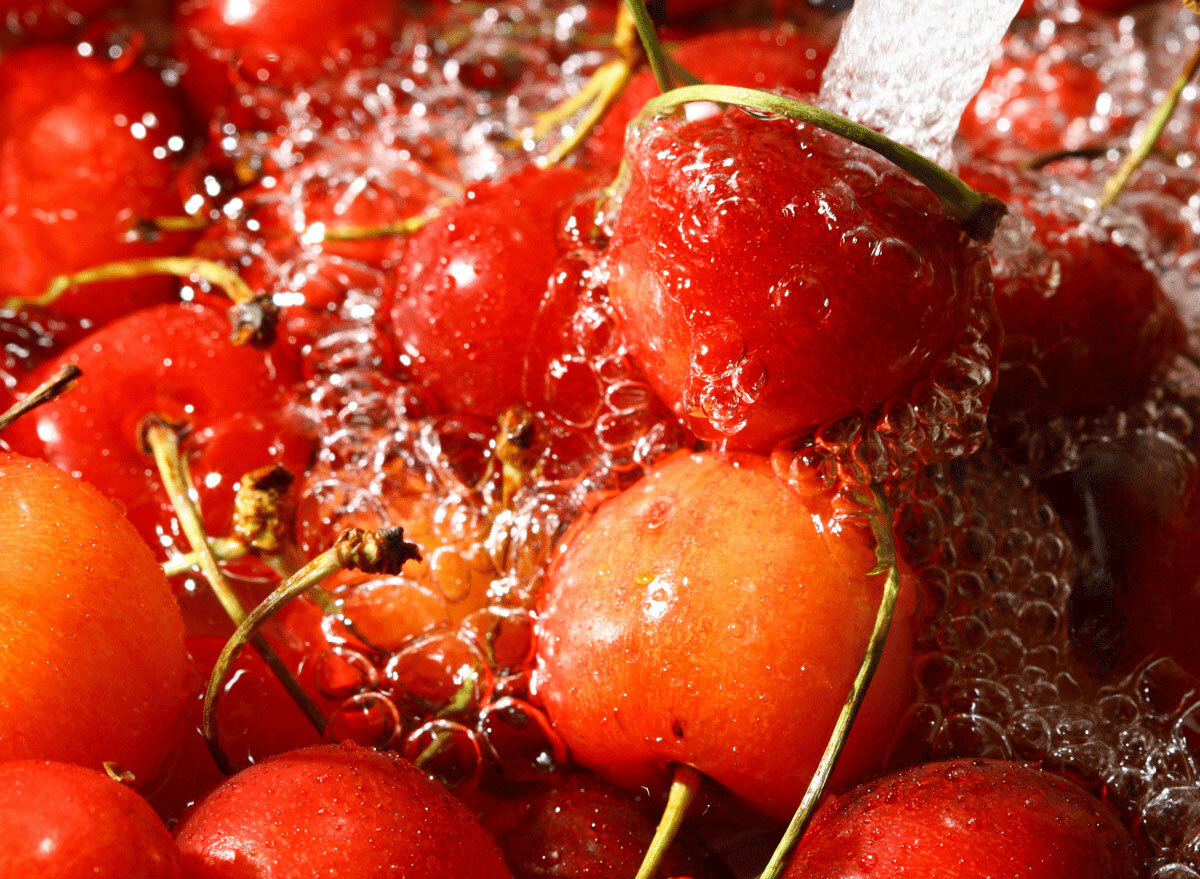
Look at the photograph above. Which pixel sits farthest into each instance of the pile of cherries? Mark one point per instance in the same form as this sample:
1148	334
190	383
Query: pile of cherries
709	431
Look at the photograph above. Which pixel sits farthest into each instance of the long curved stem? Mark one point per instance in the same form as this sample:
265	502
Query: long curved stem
43	393
655	54
684	787
977	212
886	554
1154	129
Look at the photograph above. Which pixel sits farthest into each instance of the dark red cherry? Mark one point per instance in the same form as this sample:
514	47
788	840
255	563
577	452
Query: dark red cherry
771	277
471	282
239	54
763	58
47	19
173	360
1086	322
582	827
714	615
86	148
60	821
342	811
965	818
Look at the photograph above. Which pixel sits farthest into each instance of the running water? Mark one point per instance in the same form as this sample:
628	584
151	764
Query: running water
910	67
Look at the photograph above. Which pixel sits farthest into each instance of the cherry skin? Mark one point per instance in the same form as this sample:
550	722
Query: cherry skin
761	58
470	283
333	810
703	606
60	821
28	337
233	49
85	150
47	19
583	827
965	818
172	360
91	638
1086	322
748	259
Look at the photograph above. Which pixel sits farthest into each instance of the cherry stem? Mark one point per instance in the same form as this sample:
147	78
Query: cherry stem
1037	163
373	552
885	552
163	443
684	787
1154	129
224	549
407	226
655	54
149	228
977	212
431	750
179	266
45	392
121	776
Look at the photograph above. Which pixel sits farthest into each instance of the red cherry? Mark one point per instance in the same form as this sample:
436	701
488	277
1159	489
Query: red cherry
59	821
241	53
340	811
1086	322
1112	6
471	282
47	19
762	58
90	636
714	616
966	818
581	827
174	360
258	719
362	185
85	150
749	262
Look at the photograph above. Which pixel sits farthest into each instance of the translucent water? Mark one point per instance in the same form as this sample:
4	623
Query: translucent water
909	67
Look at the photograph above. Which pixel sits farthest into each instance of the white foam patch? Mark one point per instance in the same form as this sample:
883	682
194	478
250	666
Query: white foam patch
908	68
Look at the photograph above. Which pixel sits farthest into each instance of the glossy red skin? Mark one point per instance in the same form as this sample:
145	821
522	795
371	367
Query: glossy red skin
91	640
799	311
59	821
173	360
703	606
73	176
335	810
233	47
762	58
583	827
963	819
269	257
46	19
257	719
1094	331
470	283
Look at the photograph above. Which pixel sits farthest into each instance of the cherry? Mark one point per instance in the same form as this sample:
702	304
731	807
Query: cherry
966	818
471	281
765	58
28	337
172	360
705	606
275	241
335	810
60	821
91	638
1086	321
47	19
258	719
755	337
85	150
582	827
241	53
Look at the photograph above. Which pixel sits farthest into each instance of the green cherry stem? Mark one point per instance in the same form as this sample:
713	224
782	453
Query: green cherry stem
45	392
224	549
162	442
1154	129
407	226
977	212
655	54
684	787
373	552
886	560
